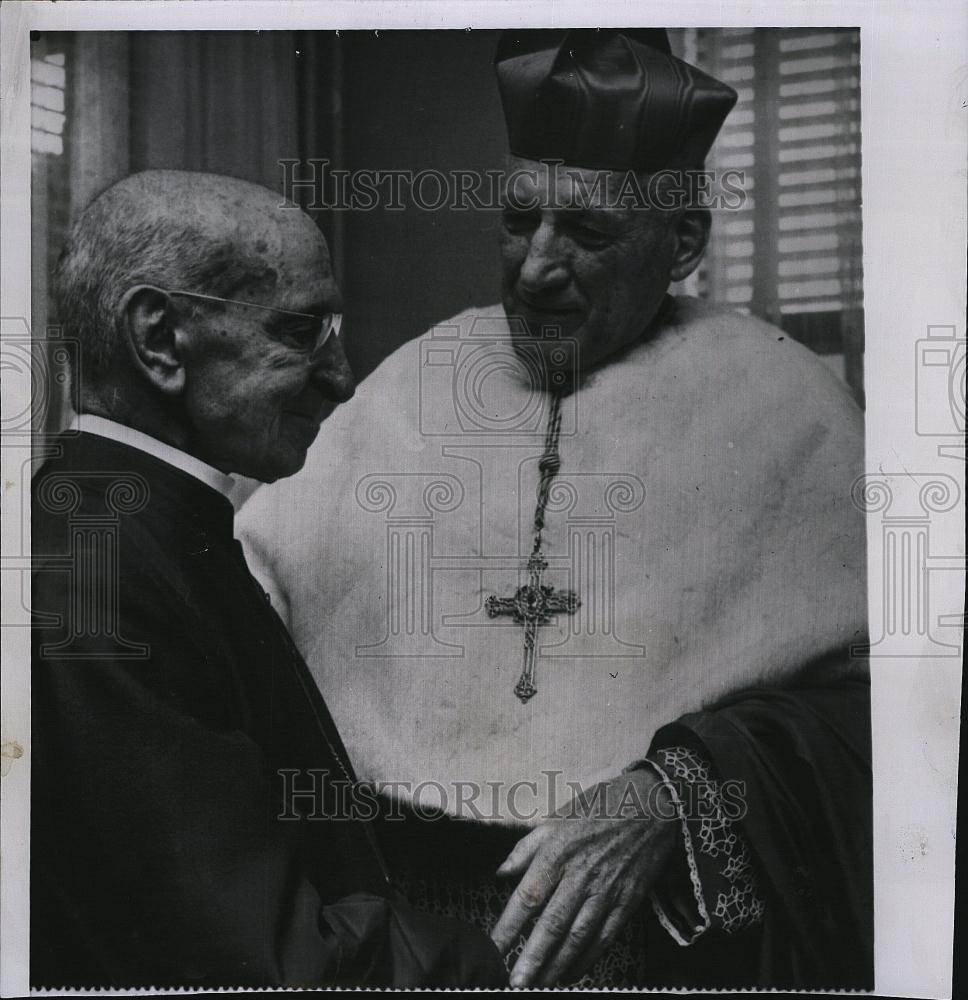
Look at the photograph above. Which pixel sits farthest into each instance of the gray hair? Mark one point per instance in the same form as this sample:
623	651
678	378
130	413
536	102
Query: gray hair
118	242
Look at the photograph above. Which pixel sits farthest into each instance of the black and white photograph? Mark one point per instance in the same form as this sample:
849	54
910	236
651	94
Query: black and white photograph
484	496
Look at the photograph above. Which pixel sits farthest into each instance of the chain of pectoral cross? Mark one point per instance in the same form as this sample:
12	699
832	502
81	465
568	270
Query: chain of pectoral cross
534	603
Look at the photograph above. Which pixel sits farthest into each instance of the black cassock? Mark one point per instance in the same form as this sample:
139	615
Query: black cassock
169	711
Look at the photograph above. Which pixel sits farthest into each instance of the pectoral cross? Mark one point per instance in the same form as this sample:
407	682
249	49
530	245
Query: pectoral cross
532	605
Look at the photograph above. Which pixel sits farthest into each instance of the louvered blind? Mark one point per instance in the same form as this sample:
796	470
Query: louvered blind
47	83
50	201
794	247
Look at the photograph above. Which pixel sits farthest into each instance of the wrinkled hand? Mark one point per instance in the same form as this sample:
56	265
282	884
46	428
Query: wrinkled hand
585	872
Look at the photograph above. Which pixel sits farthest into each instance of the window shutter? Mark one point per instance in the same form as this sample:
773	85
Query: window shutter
792	253
728	272
794	247
47	82
50	208
818	208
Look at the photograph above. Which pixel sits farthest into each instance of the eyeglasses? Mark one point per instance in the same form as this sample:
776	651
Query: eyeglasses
330	323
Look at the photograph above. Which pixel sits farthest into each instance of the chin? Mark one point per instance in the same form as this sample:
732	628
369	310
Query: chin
269	473
293	467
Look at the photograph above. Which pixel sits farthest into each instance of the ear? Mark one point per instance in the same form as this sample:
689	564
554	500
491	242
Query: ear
154	341
692	235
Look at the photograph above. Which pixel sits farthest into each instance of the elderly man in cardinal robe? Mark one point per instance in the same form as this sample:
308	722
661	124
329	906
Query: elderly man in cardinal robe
580	576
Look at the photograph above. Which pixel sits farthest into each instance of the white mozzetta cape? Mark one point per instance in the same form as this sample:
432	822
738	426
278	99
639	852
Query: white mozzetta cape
703	513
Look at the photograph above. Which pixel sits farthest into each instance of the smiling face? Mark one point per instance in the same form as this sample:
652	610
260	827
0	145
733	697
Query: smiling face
587	270
255	391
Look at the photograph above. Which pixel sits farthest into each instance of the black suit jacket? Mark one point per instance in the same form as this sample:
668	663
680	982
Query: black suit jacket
169	711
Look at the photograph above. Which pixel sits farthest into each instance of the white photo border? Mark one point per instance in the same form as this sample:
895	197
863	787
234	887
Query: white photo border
914	95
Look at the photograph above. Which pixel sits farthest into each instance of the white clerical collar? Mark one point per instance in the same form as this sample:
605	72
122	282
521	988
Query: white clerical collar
91	424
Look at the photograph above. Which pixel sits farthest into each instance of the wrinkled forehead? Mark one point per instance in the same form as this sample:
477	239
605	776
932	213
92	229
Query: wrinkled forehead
283	236
295	267
306	282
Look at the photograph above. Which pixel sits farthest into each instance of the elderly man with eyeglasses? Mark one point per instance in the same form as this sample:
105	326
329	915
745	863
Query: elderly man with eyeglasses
195	818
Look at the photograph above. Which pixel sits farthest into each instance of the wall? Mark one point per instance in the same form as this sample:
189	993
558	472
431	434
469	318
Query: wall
415	100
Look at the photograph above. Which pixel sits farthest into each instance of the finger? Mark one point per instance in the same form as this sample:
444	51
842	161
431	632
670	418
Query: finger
526	901
579	938
549	932
524	851
607	933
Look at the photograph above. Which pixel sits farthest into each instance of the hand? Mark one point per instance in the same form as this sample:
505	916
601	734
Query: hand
585	872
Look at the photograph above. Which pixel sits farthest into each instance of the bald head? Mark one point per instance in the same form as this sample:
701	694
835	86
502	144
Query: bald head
205	307
178	230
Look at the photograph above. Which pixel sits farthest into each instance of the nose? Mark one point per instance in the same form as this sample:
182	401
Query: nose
332	371
545	267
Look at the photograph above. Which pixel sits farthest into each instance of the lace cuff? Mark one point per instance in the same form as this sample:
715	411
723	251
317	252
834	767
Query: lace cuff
721	889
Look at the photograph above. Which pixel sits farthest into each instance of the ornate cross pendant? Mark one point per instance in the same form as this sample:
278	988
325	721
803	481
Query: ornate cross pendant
532	605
